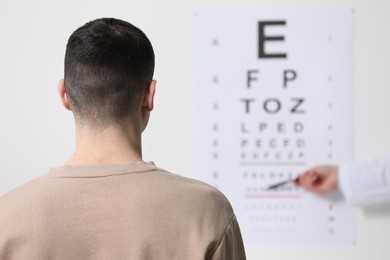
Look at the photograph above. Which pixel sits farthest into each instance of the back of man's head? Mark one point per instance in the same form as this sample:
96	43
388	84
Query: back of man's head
108	64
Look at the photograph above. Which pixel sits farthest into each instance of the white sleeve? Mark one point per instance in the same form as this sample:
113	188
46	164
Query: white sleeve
366	183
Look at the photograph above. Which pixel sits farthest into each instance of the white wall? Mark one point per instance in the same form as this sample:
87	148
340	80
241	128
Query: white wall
37	133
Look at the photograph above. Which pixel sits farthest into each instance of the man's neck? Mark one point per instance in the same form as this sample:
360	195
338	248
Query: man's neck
113	145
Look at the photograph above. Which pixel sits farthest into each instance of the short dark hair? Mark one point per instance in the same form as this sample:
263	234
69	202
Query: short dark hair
108	64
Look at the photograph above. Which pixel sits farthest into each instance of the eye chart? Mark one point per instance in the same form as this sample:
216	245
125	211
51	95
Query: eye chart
273	97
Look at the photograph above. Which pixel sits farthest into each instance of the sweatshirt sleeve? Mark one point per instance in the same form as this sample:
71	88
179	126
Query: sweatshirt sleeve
231	246
366	183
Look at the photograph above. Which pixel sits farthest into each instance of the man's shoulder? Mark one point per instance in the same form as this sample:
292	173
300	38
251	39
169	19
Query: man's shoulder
192	185
198	195
20	207
21	196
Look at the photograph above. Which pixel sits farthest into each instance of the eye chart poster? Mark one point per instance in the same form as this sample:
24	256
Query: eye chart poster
273	97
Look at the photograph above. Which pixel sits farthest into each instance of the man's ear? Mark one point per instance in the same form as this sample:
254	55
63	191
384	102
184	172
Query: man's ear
62	93
148	98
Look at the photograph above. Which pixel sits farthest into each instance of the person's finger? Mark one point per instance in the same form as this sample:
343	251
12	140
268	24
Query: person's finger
308	180
301	178
320	189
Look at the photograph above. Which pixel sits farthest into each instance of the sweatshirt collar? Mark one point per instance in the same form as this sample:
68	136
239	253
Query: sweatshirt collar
90	171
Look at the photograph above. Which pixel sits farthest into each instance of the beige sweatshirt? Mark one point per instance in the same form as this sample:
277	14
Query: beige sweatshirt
130	211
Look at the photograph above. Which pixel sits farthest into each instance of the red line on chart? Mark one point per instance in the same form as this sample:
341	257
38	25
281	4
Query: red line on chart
272	196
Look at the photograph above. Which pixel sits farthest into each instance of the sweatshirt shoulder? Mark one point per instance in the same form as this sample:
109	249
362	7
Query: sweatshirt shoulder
200	193
21	198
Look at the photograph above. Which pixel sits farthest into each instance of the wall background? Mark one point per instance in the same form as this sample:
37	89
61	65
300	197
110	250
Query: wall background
37	133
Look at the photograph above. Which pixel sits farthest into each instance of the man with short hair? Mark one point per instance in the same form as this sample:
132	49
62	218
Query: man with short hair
105	202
